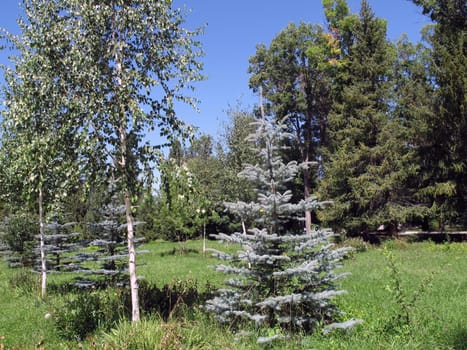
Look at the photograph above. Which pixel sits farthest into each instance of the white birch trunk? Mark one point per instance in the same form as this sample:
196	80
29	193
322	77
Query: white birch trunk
306	181
122	133
132	260
204	239
42	246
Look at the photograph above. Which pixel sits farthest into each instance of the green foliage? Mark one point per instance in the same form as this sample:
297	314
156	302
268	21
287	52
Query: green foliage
40	142
357	244
80	314
402	321
204	174
444	153
37	131
181	205
24	282
361	156
146	334
335	11
20	237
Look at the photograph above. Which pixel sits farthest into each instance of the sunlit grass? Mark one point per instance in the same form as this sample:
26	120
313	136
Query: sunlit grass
167	262
435	274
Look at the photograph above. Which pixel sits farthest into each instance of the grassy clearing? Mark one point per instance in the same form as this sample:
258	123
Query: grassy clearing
433	284
167	262
427	282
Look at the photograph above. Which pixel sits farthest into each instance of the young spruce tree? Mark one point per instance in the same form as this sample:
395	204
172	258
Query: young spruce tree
281	279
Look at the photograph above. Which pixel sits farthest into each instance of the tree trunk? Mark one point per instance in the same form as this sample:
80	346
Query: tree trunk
244	227
129	220
306	181
132	260
42	246
122	133
204	238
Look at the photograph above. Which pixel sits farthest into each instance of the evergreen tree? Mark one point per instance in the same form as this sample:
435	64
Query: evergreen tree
103	262
20	238
444	155
280	278
292	73
60	243
358	117
404	137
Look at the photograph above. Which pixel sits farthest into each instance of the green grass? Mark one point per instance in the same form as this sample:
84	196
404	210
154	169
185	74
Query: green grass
167	262
22	316
434	274
432	282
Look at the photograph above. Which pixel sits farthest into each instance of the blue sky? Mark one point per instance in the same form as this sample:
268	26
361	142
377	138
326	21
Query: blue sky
234	28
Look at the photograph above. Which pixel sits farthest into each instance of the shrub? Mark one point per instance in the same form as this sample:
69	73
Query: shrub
357	244
20	232
146	334
82	313
402	321
24	281
395	244
168	300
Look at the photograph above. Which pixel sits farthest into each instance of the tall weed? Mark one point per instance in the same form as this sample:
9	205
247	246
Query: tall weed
405	302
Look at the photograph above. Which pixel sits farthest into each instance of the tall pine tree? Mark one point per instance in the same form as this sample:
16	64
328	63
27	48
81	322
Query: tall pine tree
357	119
444	154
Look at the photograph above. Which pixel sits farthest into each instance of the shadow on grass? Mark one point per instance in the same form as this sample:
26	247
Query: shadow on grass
163	301
181	250
457	337
83	310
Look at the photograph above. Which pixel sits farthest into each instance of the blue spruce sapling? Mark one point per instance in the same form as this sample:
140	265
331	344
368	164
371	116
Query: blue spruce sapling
279	279
104	263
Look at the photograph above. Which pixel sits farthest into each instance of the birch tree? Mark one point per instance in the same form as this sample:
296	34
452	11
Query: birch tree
133	61
117	69
38	132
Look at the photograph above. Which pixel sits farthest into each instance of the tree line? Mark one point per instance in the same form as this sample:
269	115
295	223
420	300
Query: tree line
383	122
